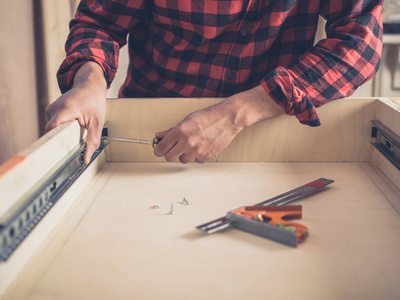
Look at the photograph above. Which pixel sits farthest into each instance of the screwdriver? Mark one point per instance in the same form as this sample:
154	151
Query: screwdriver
154	142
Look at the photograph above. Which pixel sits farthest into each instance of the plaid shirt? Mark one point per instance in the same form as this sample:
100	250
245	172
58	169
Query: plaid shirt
216	48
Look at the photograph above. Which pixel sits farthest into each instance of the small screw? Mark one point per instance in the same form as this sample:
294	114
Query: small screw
259	217
172	209
157	205
185	200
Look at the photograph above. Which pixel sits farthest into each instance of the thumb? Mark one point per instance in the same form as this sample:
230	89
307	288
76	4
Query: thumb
60	118
92	141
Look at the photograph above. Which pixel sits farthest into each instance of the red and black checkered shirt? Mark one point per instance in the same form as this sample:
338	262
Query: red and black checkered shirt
216	48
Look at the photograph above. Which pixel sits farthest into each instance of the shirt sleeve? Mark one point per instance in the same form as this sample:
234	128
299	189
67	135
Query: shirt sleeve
337	65
97	32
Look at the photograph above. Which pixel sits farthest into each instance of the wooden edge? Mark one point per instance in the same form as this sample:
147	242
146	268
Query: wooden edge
14	265
11	164
388	113
21	172
383	183
387	168
343	136
54	241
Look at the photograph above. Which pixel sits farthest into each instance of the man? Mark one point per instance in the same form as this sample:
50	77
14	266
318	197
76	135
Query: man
258	54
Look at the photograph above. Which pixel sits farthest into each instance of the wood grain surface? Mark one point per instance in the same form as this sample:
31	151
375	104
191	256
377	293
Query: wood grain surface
118	247
343	136
111	243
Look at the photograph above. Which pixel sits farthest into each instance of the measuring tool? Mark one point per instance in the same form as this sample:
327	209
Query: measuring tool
240	219
271	222
154	142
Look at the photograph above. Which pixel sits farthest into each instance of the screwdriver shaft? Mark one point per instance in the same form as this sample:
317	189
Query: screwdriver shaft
117	139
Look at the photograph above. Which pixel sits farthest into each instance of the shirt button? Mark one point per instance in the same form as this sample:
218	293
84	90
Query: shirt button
230	75
243	32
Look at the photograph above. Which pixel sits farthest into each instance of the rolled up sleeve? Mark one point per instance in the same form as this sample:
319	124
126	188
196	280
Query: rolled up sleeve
335	66
97	33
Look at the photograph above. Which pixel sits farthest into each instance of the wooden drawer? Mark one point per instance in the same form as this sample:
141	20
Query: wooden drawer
104	240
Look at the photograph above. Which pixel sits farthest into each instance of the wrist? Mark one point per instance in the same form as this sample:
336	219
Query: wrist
252	106
90	77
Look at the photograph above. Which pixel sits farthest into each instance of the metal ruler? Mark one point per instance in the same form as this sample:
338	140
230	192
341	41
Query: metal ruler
22	218
293	195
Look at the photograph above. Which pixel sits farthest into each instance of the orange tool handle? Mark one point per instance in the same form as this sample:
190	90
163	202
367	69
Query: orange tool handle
278	216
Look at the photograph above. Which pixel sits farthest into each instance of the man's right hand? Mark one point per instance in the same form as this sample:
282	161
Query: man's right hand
85	102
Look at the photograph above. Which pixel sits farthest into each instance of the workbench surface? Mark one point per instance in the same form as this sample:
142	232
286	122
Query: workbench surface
113	245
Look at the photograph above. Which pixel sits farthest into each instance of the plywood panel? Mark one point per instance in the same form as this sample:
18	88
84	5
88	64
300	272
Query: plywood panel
343	136
121	248
19	174
18	100
23	172
10	269
388	112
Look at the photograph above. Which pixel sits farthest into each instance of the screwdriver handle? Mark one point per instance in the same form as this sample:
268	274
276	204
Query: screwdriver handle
156	140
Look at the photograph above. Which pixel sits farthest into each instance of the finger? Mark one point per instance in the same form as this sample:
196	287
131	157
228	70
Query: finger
190	154
165	145
186	158
92	140
174	153
162	134
60	118
201	160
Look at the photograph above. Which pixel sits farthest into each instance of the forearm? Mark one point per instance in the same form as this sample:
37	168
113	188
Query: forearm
250	107
90	76
240	111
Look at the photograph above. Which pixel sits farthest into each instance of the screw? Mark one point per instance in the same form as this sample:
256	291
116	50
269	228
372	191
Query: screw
259	217
157	205
172	209
185	200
